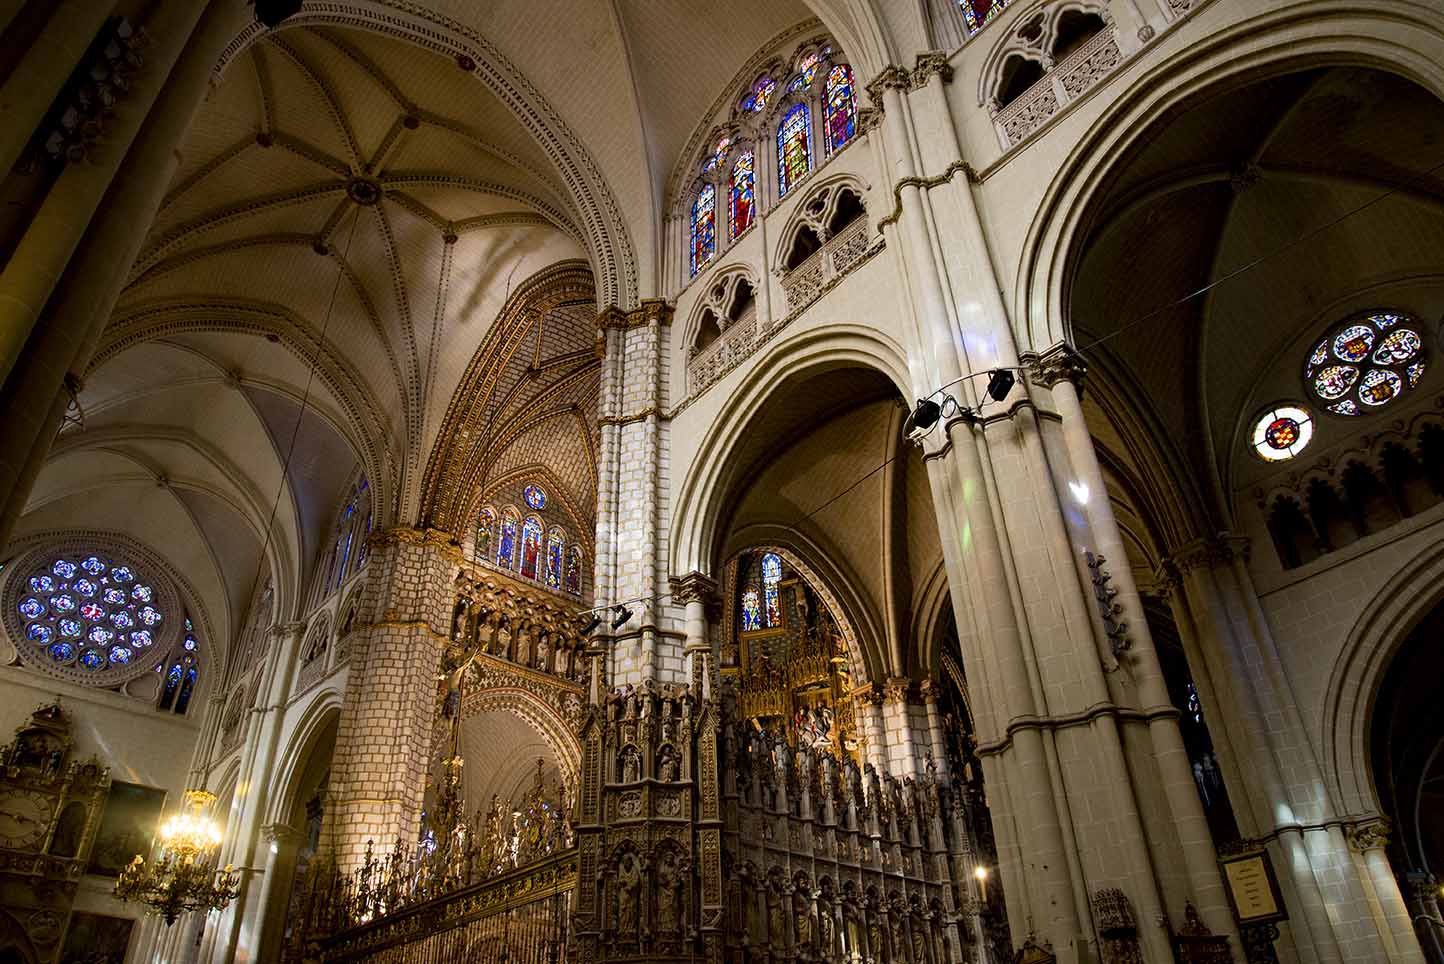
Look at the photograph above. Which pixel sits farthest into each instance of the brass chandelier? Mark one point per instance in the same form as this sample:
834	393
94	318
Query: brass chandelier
183	878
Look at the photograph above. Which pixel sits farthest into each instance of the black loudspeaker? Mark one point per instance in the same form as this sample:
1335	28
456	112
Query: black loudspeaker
272	12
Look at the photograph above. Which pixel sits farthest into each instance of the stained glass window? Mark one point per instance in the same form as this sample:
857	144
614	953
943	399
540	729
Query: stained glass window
90	612
1366	363
718	152
751	610
1282	432
485	532
348	542
535	496
806	70
760	95
771	578
531	546
841	114
574	571
794	147
740	205
506	540
704	227
976	13
555	544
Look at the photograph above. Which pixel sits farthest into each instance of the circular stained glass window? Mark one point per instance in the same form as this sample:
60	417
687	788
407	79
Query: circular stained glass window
1366	363
1282	432
535	497
88	612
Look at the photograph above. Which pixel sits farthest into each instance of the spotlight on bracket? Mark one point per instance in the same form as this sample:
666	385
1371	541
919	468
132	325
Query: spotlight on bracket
271	13
592	624
924	416
622	615
1000	383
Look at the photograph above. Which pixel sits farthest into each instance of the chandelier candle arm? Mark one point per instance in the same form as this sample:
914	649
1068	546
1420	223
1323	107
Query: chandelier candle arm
183	878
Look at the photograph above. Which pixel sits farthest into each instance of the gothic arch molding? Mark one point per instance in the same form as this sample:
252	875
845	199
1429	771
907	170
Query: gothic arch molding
712	472
323	708
1393	36
1358	672
543	719
613	255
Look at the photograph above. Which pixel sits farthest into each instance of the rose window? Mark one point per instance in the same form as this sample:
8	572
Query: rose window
1366	363
87	614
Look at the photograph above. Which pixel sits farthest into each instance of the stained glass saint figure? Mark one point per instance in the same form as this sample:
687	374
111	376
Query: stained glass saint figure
841	114
794	147
531	539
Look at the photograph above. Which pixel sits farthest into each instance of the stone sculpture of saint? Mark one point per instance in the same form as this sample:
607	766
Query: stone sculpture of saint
629	880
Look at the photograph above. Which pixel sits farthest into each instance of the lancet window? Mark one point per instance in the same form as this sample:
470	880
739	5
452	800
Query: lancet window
841	107
530	545
797	110
794	147
704	227
180	679
506	539
348	541
742	195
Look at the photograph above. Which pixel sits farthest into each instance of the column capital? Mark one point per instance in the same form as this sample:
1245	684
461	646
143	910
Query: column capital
1057	364
891	77
867	693
931	691
1218	550
651	311
281	833
897	690
928	63
1370	834
693	587
288	628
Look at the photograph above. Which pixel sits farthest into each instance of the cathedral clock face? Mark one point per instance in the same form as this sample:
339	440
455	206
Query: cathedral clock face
23	819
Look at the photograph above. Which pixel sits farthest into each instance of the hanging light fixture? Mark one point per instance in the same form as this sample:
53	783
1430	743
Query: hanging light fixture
184	877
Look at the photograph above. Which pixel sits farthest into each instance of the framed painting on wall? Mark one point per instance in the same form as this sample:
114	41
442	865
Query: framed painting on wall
127	827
